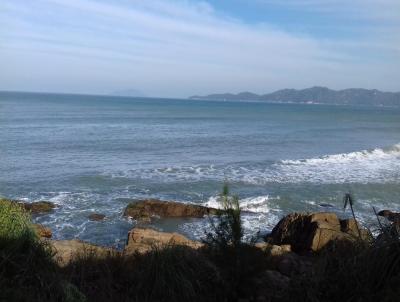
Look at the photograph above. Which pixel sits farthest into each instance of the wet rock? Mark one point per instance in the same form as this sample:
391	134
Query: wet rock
145	209
42	231
39	207
96	217
67	250
142	240
326	205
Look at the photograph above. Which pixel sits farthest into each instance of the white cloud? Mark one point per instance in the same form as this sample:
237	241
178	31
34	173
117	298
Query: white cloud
176	48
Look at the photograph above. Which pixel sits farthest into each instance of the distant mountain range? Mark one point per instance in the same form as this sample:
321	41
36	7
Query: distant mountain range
315	95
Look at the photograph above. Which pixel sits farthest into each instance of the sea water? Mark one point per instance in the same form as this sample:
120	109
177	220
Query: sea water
94	154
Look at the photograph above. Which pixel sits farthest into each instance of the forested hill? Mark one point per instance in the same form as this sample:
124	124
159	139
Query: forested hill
318	95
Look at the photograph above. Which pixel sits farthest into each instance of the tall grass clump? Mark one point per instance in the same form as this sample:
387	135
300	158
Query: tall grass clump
168	273
227	231
14	222
27	270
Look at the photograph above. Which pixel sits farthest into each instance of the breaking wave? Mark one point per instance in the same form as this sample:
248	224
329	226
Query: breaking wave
376	166
358	156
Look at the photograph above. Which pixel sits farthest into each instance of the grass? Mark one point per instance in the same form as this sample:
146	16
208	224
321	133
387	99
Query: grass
27	270
14	221
170	273
351	272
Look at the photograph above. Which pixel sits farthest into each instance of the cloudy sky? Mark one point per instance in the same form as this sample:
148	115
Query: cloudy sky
182	47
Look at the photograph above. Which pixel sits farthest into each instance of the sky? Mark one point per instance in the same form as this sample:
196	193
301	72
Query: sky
178	48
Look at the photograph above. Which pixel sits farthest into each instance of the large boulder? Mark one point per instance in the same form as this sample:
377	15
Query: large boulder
312	232
145	209
67	250
141	240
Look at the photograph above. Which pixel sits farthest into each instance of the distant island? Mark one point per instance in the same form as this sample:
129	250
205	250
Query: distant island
314	95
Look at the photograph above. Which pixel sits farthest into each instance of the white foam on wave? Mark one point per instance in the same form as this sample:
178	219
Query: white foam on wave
260	213
344	158
377	165
258	204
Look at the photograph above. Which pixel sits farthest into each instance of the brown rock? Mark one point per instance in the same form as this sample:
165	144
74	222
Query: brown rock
145	209
272	249
351	227
38	207
96	217
142	240
42	231
67	250
310	232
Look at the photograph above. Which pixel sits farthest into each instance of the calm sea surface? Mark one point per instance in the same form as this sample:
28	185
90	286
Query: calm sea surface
93	154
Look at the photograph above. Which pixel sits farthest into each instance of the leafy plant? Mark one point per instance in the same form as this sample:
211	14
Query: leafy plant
227	229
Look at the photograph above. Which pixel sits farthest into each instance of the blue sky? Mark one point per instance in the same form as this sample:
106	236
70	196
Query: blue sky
182	47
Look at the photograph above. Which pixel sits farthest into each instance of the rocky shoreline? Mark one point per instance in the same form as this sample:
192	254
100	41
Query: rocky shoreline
296	234
290	253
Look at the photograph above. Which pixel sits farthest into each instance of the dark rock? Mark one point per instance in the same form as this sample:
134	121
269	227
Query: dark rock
145	209
326	205
96	217
391	216
39	207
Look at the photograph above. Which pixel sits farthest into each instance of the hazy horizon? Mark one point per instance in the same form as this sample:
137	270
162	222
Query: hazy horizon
183	48
121	93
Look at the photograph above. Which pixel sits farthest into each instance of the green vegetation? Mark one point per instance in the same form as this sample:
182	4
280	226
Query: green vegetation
27	270
14	222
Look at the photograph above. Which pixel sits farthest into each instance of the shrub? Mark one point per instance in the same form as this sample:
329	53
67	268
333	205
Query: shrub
14	221
27	270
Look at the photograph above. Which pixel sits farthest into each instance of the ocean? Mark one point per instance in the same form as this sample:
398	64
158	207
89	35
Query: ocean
93	154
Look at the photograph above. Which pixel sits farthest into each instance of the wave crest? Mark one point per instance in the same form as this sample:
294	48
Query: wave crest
374	154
